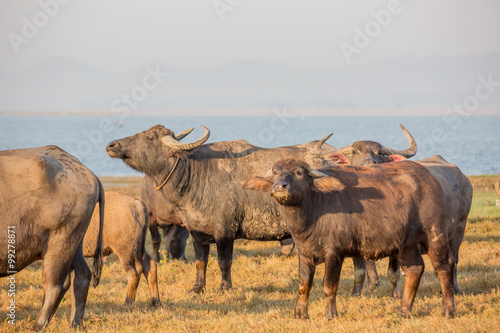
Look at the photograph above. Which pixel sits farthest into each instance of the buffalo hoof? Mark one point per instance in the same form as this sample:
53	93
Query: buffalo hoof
225	286
301	313
76	324
331	314
129	302
197	290
404	313
37	327
155	302
448	313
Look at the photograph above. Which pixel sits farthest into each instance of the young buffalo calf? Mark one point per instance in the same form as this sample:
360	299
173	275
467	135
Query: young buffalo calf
125	223
371	212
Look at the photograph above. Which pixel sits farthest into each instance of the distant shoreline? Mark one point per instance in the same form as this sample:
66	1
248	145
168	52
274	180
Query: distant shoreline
247	113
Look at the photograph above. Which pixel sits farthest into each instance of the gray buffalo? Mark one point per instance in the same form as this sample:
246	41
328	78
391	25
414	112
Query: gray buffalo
125	225
392	209
162	215
203	182
46	204
457	189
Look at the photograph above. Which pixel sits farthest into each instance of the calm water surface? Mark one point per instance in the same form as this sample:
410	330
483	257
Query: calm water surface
471	143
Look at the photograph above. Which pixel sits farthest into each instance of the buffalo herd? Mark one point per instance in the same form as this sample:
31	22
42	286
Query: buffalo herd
364	201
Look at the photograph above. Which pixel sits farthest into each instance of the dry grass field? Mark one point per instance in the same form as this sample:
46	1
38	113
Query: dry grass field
265	287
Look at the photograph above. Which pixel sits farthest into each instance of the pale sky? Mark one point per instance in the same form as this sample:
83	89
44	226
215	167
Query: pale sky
119	35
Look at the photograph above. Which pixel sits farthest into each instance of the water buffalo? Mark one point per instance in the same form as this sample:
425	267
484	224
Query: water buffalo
456	186
367	152
204	183
46	203
162	214
124	234
367	212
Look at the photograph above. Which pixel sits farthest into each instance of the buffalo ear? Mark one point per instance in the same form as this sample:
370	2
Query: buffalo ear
339	158
396	158
258	184
328	184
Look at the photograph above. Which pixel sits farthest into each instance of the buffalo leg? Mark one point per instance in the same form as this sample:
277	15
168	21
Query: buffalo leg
287	246
149	270
80	282
175	242
167	240
455	247
55	277
306	276
155	238
133	271
333	266
359	275
444	266
413	267
371	273
201	260
225	259
393	274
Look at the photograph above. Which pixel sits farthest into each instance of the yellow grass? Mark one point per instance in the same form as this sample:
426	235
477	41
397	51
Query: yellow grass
265	289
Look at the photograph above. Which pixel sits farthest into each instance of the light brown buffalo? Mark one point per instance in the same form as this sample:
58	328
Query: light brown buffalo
46	202
125	235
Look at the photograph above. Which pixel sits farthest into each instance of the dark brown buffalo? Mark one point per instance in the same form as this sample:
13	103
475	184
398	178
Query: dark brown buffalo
162	215
367	152
456	186
203	182
46	202
366	212
124	234
363	153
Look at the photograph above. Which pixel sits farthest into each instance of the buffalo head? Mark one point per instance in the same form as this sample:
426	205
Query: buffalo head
366	152
290	180
150	150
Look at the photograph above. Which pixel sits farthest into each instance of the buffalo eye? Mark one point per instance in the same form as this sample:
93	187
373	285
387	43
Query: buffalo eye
355	152
298	172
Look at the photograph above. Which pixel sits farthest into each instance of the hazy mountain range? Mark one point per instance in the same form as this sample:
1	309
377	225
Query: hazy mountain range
406	83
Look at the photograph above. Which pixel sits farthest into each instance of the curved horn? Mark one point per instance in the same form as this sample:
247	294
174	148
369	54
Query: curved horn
316	174
182	135
409	152
319	150
497	187
171	142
